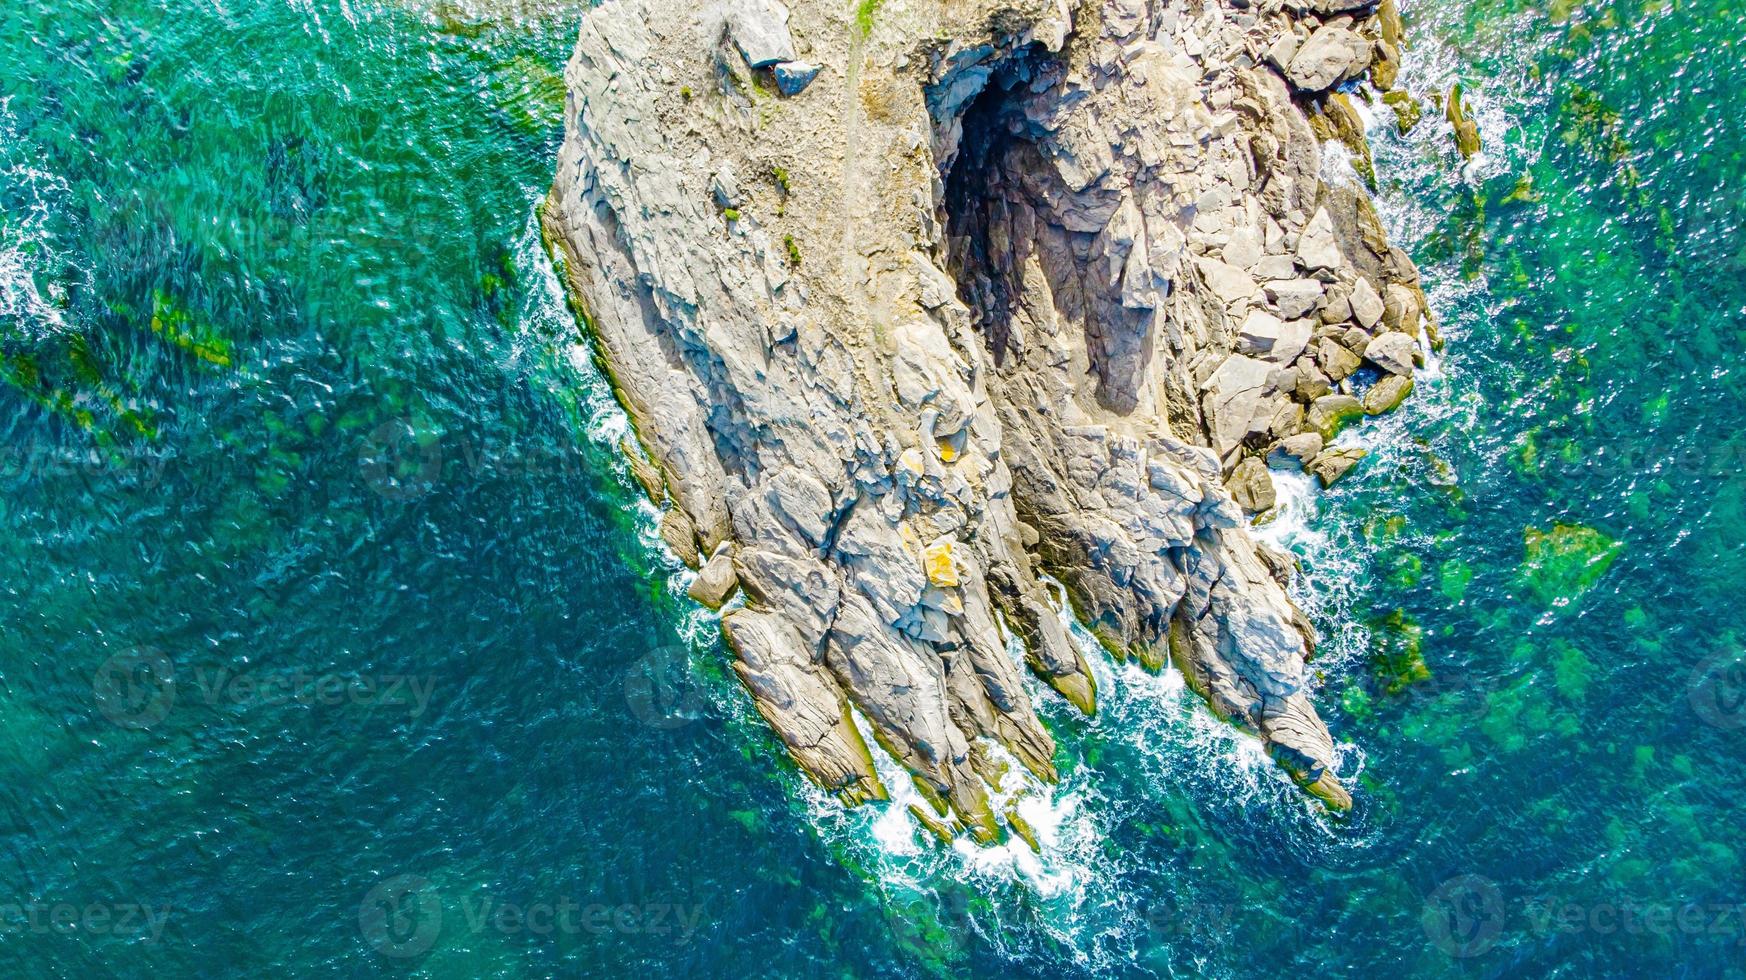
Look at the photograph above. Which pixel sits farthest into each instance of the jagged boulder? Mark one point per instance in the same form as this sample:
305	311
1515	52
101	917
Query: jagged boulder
1387	394
1330	56
760	30
1252	486
1298	449
1393	352
715	582
792	77
1332	464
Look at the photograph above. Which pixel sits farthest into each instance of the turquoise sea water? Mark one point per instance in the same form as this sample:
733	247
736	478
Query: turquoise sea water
333	639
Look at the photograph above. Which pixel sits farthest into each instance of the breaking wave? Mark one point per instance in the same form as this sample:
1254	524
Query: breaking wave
30	200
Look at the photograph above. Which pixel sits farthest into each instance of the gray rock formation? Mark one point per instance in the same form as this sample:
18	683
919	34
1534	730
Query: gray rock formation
1014	289
715	582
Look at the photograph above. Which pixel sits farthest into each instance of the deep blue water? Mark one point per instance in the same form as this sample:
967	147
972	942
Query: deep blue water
334	638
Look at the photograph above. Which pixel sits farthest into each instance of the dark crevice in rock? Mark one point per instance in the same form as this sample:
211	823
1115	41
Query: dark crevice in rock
991	125
1006	205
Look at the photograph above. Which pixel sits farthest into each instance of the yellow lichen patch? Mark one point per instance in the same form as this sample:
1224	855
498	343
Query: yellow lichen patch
949	603
952	447
941	568
911	463
911	540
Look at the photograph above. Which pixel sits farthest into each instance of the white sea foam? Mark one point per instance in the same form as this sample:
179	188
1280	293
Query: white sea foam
32	197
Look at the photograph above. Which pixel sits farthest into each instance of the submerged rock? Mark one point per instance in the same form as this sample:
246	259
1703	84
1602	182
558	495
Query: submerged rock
1562	563
1396	652
1029	337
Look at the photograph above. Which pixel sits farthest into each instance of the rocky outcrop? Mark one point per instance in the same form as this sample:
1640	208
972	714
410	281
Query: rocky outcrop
1006	289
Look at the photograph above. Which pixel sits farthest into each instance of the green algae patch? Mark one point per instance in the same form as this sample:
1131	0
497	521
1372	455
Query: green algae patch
530	94
1519	713
1596	128
865	11
1453	578
1404	569
1523	192
1357	703
173	322
1382	528
932	931
1563	563
1572	671
1396	656
66	380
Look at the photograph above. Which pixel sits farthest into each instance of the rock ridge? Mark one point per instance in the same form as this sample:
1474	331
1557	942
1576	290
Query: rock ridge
918	304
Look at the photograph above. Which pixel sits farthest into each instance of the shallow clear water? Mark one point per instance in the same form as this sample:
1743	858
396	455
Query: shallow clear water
334	639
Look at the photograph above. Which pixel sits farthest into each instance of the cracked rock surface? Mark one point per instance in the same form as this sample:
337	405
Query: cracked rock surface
1009	289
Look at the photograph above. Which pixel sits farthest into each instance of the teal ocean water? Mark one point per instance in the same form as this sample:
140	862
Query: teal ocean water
335	641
